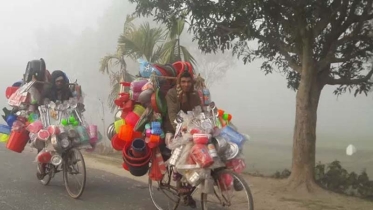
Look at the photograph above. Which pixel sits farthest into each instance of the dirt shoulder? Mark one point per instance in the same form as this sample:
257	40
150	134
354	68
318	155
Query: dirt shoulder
268	193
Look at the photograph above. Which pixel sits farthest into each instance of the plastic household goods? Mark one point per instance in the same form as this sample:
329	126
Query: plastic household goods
212	150
83	134
201	156
35	126
118	124
154	141
4	129
138	148
10	119
138	109
4	137
225	182
237	165
206	96
117	143
17	140
233	136
54	130
201	138
131	119
92	131
44	157
126	133
175	155
43	134
136	86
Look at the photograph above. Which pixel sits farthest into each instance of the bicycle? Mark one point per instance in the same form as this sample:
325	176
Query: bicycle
219	193
67	166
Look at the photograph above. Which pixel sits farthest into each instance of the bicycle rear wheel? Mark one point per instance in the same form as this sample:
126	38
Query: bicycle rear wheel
227	181
71	167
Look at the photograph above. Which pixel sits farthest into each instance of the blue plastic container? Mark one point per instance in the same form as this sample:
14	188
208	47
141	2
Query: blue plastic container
5	129
233	136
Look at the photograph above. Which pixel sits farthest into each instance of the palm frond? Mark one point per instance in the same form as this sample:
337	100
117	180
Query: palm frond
106	63
176	28
187	56
129	27
169	51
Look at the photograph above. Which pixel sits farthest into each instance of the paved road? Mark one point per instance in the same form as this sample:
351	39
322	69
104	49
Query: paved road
20	190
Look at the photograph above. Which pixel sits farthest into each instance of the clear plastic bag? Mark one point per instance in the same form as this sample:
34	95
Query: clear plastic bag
183	164
177	142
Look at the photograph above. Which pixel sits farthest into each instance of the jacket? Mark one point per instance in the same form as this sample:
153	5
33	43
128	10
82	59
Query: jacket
174	106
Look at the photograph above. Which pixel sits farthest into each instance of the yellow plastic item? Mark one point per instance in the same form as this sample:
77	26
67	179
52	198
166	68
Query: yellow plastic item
118	124
138	109
4	137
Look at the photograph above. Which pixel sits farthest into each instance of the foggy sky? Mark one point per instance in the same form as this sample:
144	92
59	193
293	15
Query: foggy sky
257	102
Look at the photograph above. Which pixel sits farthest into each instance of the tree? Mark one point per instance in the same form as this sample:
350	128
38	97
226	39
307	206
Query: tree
143	42
173	51
117	59
213	67
314	43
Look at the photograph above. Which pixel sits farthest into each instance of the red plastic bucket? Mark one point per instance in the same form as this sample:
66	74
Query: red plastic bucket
18	140
129	158
9	91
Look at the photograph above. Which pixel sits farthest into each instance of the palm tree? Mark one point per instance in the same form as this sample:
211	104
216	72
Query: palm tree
144	42
173	50
117	59
147	43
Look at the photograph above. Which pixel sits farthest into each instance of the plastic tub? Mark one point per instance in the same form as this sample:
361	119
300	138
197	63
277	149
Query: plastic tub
138	109
44	157
131	119
17	140
4	137
138	148
117	143
138	169
129	157
118	124
11	119
233	136
201	138
136	86
4	129
83	134
126	133
9	91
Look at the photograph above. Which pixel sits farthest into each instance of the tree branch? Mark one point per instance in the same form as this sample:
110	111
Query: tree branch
326	17
347	81
281	46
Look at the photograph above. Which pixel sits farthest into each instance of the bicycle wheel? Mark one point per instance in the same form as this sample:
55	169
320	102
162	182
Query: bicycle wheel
71	167
49	173
163	195
225	182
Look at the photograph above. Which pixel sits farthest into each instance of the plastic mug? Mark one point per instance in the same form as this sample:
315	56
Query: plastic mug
138	148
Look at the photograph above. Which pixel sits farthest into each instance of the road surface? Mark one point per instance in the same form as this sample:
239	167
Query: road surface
20	190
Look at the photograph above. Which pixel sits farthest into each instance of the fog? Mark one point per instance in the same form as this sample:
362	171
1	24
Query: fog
74	35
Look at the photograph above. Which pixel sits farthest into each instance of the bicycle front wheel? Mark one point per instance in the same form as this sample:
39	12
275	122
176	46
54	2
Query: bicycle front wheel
228	185
74	165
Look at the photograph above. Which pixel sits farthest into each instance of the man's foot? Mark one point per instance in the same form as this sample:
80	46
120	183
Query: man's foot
189	201
237	185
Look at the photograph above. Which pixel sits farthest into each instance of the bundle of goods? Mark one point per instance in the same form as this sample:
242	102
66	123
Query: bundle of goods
206	140
50	128
137	130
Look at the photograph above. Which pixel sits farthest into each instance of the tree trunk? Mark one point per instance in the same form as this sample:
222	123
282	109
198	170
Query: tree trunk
304	139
